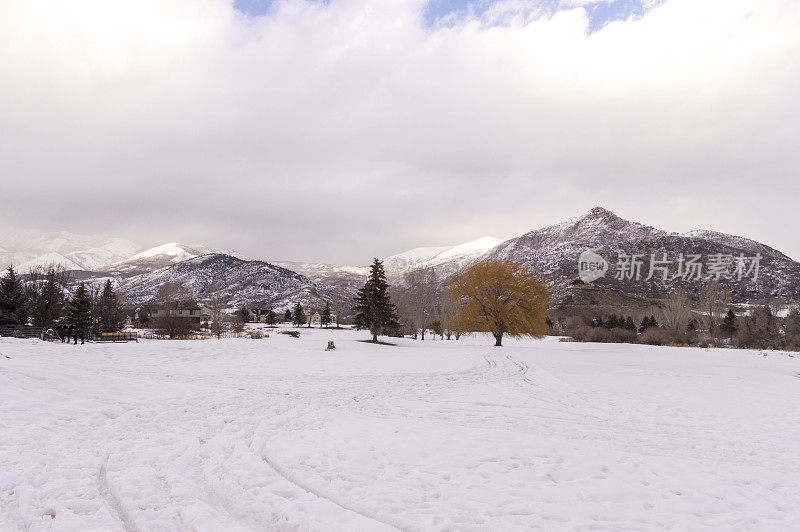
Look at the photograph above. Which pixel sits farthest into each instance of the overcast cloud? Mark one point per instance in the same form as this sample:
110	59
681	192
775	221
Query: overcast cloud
349	129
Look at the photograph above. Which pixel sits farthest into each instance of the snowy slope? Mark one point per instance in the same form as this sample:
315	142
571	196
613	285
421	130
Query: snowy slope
278	434
750	246
25	248
319	271
155	258
445	260
46	260
395	265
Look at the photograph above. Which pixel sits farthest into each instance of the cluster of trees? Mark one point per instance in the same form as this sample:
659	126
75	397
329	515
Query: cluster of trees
705	320
43	301
499	297
296	316
763	328
299	317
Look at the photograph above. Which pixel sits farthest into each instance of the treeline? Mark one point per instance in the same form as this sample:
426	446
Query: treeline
42	300
708	320
498	297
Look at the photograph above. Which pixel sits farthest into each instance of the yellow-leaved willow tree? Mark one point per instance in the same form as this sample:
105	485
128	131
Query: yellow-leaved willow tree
500	297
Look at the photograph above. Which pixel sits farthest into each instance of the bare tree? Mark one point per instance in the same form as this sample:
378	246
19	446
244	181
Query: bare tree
217	305
449	311
172	297
714	301
676	311
340	306
421	294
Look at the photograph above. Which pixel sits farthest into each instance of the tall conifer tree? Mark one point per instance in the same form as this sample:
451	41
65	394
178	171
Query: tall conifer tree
325	318
80	310
298	316
374	308
110	310
12	300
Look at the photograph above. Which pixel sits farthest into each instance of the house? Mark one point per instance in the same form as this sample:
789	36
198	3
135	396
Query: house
144	315
259	314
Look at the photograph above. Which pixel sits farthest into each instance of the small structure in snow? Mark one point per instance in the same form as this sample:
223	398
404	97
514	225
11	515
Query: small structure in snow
330	347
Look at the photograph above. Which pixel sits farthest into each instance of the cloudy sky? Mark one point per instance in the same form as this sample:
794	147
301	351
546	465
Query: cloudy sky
346	129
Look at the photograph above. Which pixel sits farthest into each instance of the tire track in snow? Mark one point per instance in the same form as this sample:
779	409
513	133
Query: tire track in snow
321	494
111	500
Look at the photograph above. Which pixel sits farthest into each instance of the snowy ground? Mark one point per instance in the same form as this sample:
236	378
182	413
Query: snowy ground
279	434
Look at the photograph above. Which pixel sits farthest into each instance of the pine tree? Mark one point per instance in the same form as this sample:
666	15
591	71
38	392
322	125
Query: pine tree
12	300
80	310
109	310
45	294
298	316
647	322
271	318
728	325
287	316
374	309
629	325
325	318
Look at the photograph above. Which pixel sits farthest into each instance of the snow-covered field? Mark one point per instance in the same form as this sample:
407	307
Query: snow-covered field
280	434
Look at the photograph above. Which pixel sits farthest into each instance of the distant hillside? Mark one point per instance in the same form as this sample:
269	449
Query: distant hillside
242	282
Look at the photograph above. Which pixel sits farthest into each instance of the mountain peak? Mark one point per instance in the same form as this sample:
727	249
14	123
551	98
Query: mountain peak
599	212
173	249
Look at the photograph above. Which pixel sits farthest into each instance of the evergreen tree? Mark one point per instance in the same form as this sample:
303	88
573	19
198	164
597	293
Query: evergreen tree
629	325
728	325
287	316
271	318
325	318
79	315
45	294
647	322
109	310
612	322
436	328
374	309
298	316
12	300
245	316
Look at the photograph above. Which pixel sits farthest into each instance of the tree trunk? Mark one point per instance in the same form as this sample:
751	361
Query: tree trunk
498	339
374	337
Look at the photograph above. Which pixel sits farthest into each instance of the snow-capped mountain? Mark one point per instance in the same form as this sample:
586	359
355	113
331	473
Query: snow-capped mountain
396	265
318	271
553	252
242	282
29	248
444	260
155	258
